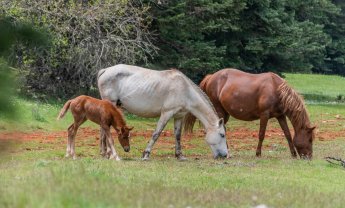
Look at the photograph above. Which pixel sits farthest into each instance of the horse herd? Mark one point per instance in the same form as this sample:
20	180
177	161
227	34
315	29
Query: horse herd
170	94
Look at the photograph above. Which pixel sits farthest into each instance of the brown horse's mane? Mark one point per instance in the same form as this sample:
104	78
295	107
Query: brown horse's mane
293	106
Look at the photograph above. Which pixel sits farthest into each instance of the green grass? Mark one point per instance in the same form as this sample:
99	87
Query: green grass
36	174
43	178
318	87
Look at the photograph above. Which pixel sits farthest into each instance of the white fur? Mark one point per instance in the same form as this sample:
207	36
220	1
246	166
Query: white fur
164	94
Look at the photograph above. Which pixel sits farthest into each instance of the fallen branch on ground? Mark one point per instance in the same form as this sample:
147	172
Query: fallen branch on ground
332	159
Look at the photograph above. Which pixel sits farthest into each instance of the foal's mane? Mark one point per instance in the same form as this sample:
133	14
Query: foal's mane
293	106
120	118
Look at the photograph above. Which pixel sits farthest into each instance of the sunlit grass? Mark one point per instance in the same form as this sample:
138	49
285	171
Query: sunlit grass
35	173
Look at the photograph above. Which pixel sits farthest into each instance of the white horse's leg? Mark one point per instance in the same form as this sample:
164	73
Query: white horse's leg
163	120
177	132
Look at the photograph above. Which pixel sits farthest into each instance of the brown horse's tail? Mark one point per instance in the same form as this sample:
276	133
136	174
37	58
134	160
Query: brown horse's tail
203	83
64	110
189	121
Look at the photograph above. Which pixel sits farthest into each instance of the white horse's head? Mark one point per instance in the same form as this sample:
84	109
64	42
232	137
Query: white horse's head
216	138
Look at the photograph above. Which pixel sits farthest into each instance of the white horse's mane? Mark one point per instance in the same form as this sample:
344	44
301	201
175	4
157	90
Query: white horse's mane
198	90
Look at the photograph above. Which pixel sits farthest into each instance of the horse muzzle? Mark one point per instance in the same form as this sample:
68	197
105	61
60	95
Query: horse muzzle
126	148
220	155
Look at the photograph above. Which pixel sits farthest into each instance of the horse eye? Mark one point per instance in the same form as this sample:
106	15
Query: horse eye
222	135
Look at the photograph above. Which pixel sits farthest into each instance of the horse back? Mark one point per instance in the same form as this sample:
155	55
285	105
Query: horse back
243	95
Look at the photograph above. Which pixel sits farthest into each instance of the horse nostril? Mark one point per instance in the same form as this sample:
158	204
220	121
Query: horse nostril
126	149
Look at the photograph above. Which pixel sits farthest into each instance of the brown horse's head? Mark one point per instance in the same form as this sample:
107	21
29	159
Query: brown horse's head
123	136
303	141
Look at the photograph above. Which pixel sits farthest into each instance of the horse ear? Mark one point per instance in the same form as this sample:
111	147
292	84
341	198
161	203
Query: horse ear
221	122
122	130
118	130
312	128
130	128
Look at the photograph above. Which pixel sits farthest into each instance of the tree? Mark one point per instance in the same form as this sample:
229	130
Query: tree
14	33
335	60
200	36
87	36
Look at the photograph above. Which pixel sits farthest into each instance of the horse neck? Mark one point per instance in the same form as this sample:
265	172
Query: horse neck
298	120
203	111
118	119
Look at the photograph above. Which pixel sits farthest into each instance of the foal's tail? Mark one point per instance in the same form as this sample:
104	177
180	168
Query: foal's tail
64	110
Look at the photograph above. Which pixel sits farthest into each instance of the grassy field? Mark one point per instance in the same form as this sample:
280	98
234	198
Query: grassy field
318	87
34	172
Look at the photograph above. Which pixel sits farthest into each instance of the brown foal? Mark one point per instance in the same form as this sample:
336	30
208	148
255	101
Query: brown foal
101	112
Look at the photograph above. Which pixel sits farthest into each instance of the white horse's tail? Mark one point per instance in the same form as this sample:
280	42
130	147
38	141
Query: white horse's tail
100	72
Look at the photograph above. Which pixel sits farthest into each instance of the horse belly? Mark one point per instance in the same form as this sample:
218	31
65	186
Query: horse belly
142	106
241	109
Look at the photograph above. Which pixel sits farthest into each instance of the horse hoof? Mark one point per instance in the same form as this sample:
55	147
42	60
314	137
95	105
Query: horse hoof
258	154
116	158
181	158
145	157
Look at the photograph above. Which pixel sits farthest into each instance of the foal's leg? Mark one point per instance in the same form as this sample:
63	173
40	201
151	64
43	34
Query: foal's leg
163	120
72	132
285	127
110	141
177	131
263	124
102	143
69	141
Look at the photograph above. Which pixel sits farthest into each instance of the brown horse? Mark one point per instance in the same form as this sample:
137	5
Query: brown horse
101	112
250	97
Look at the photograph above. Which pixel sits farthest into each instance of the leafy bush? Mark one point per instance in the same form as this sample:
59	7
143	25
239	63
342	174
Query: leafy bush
86	36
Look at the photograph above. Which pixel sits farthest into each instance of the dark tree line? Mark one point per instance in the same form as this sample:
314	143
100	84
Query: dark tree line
195	36
200	36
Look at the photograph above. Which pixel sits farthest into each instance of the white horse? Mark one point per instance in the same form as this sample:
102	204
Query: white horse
165	94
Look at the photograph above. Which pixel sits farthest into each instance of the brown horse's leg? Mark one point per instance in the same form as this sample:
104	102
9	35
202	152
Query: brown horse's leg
263	125
72	133
177	131
285	127
113	154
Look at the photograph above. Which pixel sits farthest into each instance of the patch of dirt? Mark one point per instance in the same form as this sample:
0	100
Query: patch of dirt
240	138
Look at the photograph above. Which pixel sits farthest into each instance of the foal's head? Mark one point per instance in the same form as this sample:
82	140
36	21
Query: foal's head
123	136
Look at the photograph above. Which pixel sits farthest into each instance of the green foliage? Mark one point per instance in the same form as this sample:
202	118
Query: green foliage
14	33
201	36
6	89
335	60
86	37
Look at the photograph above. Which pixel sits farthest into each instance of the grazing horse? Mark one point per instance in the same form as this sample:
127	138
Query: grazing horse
263	96
101	112
164	94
